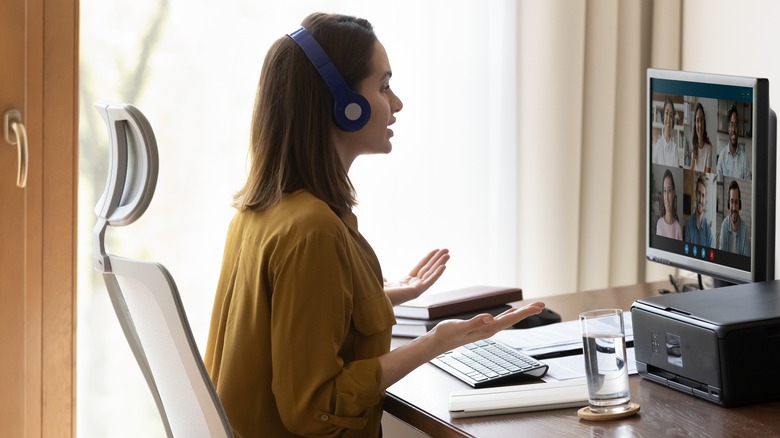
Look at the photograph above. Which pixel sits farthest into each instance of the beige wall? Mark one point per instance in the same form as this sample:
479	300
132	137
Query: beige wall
736	38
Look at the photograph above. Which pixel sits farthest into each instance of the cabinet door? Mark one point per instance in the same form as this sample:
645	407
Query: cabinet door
12	226
38	77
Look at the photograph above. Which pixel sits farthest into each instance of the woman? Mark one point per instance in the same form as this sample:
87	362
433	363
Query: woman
701	156
300	332
668	225
665	149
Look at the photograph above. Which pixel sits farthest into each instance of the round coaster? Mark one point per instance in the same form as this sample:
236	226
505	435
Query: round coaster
586	414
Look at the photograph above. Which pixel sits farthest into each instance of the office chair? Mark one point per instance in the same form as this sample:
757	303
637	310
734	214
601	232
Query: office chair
144	294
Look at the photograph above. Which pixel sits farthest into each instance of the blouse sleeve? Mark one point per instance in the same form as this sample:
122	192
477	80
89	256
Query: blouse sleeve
316	391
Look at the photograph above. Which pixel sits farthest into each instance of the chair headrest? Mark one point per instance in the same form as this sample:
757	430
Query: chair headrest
133	164
132	172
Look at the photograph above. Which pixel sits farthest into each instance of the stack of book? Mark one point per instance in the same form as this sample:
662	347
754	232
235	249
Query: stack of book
418	316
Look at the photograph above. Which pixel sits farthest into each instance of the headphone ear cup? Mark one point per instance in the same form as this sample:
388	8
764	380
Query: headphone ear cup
351	111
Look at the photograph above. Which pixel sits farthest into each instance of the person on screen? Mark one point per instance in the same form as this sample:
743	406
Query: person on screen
734	236
701	155
697	227
668	225
732	159
665	149
299	342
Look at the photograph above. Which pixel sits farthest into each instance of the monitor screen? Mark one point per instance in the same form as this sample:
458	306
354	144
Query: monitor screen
710	173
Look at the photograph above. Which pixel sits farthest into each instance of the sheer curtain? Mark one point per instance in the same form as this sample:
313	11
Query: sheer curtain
581	131
450	180
581	94
551	198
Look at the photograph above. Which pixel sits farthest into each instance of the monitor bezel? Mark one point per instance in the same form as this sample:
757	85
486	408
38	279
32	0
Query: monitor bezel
763	127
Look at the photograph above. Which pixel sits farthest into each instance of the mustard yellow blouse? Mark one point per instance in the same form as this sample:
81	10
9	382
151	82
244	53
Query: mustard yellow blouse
300	317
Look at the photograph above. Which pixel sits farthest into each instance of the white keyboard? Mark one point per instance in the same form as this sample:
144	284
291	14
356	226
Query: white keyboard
487	363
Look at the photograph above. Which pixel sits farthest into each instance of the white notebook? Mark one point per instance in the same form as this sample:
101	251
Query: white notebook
519	398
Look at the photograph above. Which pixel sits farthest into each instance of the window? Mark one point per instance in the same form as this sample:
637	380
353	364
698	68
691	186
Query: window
192	69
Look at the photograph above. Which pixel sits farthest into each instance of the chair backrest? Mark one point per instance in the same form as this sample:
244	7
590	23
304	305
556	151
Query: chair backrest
144	294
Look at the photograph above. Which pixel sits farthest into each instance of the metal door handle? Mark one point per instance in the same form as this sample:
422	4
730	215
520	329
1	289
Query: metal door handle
12	124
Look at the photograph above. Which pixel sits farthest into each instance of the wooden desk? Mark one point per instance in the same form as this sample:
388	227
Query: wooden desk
420	399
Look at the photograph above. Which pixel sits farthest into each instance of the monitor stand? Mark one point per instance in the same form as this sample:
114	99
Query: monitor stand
679	286
717	282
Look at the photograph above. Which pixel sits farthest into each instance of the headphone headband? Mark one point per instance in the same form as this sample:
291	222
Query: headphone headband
350	109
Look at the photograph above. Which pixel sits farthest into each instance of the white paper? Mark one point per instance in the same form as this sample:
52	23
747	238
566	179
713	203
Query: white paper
573	367
552	338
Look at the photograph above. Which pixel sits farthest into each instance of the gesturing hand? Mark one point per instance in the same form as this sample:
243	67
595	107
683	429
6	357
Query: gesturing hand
447	335
420	278
453	333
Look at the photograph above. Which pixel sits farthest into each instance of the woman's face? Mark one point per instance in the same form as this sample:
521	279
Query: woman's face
700	126
668	120
374	137
668	195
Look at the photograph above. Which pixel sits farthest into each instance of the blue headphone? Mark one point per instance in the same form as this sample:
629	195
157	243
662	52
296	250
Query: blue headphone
350	109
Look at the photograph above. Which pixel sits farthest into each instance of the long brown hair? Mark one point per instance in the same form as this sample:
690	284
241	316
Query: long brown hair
290	144
668	174
696	139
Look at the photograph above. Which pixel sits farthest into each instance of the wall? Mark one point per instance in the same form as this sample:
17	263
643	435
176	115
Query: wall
738	38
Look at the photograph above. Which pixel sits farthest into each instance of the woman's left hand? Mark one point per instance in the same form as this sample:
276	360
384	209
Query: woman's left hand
420	278
453	333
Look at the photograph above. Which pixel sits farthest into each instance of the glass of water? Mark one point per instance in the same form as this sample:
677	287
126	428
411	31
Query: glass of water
606	366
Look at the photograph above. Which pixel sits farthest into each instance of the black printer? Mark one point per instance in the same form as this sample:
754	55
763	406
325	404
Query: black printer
722	345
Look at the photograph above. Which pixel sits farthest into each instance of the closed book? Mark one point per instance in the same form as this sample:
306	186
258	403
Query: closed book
443	304
411	327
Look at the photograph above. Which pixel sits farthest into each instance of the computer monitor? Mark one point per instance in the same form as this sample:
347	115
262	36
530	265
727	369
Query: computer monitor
711	142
